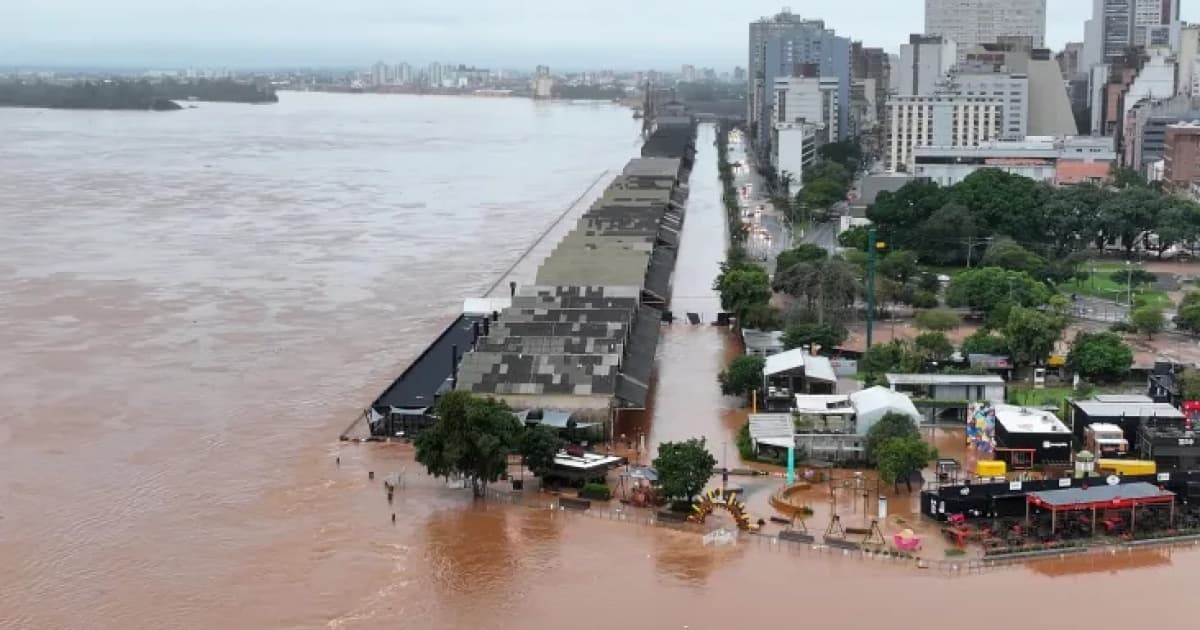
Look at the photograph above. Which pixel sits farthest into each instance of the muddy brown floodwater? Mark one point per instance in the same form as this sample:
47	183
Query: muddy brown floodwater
193	304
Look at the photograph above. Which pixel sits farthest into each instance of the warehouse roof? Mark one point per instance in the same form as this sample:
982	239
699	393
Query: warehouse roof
1133	410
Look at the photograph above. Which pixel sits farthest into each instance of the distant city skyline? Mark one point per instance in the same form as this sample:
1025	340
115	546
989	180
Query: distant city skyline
621	35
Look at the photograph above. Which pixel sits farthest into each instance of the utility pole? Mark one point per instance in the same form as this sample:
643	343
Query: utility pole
1129	281
871	244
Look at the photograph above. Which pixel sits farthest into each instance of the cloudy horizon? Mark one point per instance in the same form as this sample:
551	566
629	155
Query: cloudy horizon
618	34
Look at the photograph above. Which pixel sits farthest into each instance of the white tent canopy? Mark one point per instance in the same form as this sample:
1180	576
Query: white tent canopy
874	403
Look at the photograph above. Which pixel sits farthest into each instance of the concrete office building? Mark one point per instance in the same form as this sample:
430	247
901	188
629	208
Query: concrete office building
1182	155
1011	89
784	53
939	120
1056	161
793	149
971	22
761	31
1118	24
924	63
811	99
1145	135
1188	61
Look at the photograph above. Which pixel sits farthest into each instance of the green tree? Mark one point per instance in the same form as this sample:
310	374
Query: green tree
1071	217
901	214
1127	214
983	341
1007	254
1189	384
1124	177
899	265
827	287
938	321
848	153
472	437
1003	202
761	317
1100	356
854	238
805	332
1031	335
933	346
803	253
882	357
890	426
986	288
684	468
950	235
742	287
539	445
744	374
1147	319
899	457
1188	315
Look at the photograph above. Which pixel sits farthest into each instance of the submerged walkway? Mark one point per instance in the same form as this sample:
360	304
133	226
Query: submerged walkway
685	400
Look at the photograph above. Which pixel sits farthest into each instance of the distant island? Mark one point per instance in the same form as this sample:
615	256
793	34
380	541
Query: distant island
129	94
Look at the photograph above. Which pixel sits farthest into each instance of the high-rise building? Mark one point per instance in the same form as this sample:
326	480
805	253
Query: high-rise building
1118	24
1188	59
687	73
939	120
758	85
924	62
379	73
543	83
971	22
781	54
434	74
403	74
739	73
1069	60
871	66
1182	155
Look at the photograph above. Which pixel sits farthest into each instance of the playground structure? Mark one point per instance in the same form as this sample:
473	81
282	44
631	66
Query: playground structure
784	500
837	535
728	501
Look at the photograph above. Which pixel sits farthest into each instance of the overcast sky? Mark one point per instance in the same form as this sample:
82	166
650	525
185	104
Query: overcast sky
623	34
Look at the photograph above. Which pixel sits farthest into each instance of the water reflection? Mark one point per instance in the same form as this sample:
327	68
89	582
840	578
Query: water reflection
1122	560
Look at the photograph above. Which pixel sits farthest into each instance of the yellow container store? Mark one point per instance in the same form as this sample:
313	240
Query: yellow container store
991	468
1127	466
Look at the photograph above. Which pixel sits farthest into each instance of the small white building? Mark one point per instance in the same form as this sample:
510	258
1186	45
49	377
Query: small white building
964	387
793	150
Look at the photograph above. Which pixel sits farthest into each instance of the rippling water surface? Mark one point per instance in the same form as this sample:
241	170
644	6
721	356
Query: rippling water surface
193	304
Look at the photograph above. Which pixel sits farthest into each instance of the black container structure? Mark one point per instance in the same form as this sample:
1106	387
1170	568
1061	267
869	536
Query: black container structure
1027	437
1127	412
1008	499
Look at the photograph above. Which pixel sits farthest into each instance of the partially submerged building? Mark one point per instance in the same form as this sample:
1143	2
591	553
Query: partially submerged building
1028	437
582	339
795	372
828	426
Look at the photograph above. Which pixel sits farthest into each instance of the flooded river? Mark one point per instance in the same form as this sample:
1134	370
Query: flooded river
194	304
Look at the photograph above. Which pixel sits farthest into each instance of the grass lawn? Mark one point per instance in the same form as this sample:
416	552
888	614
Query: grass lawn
1102	285
1029	397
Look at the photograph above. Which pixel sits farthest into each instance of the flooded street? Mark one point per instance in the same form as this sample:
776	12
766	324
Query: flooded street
194	304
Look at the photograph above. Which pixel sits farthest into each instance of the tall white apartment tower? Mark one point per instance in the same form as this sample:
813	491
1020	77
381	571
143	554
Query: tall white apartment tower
971	22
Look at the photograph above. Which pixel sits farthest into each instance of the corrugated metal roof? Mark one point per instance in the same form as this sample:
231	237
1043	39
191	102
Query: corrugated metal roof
1096	408
1101	494
784	361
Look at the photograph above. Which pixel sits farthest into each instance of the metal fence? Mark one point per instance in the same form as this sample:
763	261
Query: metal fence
948	567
